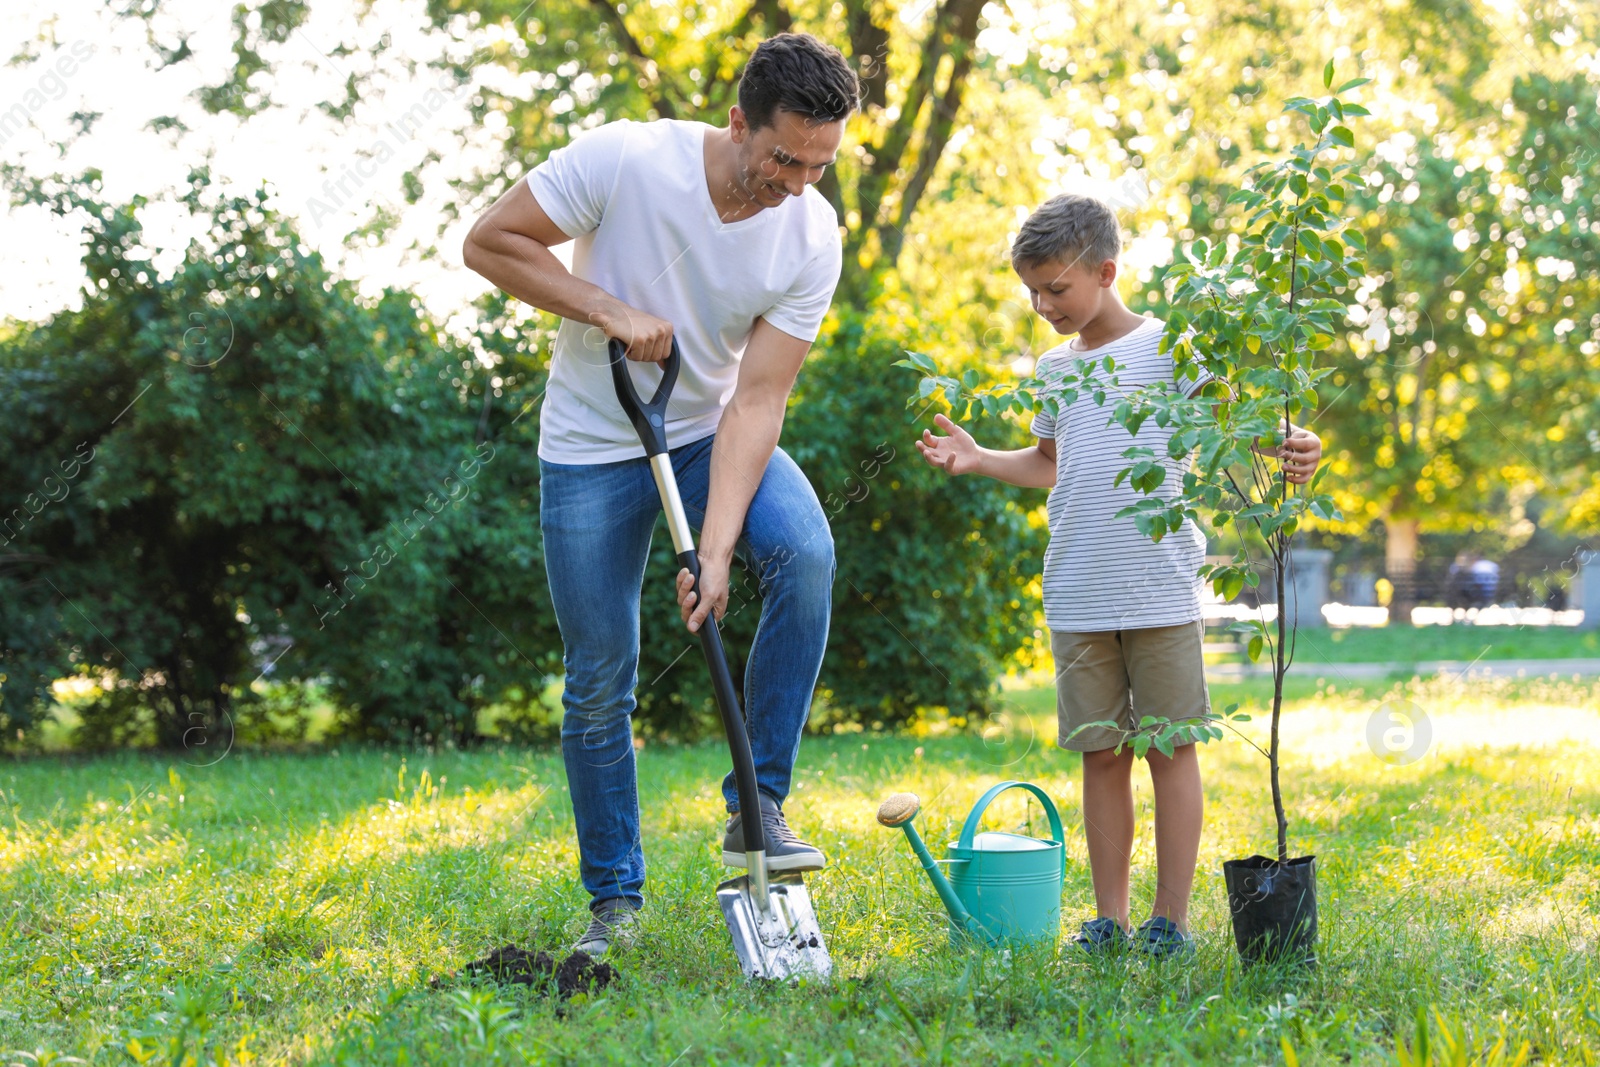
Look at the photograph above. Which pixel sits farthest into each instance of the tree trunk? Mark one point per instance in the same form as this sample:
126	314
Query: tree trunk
1400	562
1280	666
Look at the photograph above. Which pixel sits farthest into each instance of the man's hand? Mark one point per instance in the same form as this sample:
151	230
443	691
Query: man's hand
510	245
957	454
648	338
1300	452
714	586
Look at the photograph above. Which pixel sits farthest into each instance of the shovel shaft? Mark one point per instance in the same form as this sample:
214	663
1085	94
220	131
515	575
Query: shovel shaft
648	418
744	768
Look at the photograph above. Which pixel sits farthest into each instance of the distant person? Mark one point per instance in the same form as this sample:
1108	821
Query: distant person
1123	610
1485	582
714	237
1459	587
1555	597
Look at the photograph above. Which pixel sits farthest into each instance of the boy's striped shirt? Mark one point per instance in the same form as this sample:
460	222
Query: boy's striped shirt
1100	572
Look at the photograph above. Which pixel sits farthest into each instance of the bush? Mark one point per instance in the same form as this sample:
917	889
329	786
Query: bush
245	467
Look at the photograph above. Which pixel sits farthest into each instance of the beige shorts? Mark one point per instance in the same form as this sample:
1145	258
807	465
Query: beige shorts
1099	676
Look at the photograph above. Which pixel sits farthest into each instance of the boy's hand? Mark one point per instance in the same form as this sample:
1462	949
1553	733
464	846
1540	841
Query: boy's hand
957	454
1300	452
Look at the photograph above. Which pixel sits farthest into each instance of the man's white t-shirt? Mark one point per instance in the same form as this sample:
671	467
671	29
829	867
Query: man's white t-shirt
1100	572
634	197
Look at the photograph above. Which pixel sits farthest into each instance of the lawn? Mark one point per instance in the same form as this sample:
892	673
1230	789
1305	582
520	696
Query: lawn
1424	644
292	907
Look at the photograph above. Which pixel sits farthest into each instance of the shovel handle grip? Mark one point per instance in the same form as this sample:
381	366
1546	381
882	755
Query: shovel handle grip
649	417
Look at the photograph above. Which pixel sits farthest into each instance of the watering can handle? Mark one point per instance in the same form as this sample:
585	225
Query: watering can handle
971	826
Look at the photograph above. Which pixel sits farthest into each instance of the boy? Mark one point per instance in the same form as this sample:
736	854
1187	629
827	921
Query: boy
1123	610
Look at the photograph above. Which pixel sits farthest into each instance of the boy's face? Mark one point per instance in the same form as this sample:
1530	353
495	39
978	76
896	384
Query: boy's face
1069	296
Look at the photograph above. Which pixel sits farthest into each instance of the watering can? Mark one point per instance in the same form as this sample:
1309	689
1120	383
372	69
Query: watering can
1002	887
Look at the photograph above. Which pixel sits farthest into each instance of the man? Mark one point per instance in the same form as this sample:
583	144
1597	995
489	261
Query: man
712	236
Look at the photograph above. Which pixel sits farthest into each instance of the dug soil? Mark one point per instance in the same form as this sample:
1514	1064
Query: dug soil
510	965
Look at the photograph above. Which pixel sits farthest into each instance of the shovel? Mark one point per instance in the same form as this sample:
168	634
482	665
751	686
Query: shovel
774	928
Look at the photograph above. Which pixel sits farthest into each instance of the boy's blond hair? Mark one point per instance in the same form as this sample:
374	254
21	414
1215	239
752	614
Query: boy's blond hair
1071	229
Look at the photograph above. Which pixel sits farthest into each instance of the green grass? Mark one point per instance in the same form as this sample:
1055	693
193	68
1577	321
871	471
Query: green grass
1421	644
291	907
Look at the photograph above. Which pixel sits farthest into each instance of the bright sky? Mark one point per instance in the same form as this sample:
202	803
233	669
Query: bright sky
68	56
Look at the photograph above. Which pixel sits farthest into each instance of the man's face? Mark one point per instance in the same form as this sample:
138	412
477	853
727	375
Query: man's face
1068	295
779	160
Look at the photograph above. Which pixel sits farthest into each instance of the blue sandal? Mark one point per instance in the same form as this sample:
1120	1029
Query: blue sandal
1099	936
1160	938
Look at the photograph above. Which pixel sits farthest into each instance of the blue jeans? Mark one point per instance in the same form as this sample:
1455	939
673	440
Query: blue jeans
597	520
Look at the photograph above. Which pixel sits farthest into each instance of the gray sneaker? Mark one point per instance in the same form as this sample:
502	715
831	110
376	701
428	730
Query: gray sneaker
613	922
785	851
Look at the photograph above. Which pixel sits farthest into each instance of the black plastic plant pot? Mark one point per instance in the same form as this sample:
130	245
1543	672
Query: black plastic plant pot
1274	908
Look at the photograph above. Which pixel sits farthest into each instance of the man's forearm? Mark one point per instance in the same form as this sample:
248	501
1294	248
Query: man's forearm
528	270
746	437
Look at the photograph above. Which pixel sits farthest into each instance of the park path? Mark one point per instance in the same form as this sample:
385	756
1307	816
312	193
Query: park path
1486	668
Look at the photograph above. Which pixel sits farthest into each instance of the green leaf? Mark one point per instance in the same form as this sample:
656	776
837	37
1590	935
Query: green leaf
918	361
1343	136
1327	75
1257	643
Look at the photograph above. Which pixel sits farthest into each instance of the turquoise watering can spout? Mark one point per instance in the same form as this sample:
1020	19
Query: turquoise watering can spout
899	810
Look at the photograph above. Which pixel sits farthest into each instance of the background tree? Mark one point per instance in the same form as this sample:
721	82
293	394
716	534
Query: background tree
1462	395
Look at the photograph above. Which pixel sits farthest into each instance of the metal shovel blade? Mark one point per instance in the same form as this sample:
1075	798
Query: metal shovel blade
779	942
